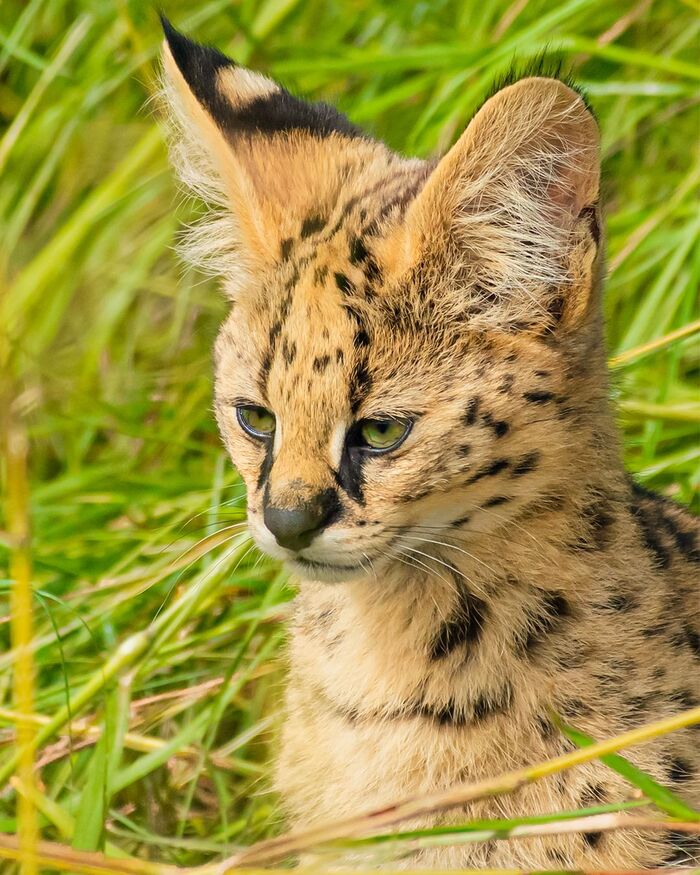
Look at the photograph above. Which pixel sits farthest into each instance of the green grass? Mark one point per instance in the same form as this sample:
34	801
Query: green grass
150	623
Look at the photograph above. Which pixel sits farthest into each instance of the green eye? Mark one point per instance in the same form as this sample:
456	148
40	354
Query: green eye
384	434
256	420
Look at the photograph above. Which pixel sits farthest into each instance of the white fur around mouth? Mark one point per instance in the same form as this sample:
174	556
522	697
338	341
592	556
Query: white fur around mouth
324	571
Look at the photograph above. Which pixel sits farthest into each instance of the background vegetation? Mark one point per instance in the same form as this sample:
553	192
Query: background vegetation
157	628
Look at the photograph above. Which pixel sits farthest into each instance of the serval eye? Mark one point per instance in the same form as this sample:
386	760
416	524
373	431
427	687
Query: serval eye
383	434
257	421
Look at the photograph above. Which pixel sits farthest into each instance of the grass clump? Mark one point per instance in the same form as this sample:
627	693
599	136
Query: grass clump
157	627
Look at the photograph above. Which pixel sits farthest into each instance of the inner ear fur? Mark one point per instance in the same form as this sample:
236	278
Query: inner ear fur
511	210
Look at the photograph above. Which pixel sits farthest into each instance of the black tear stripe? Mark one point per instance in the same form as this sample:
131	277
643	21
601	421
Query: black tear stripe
465	626
268	114
266	466
350	475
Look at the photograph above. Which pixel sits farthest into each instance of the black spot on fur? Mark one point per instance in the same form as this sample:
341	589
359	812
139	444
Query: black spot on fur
622	602
321	362
312	225
460	521
538	397
651	536
286	248
692	638
593	839
596	520
684	849
464	450
680	770
372	273
343	283
289	351
353	315
593	795
574	707
489	470
361	339
556	308
265	366
507	383
525	464
546	618
499	426
488	705
444	715
471	412
463	628
268	114
683	699
360	385
545	727
339	356
320	274
496	501
590	216
275	331
685	539
358	250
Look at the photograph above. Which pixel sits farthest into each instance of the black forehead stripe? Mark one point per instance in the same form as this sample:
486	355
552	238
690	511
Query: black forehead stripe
271	113
281	111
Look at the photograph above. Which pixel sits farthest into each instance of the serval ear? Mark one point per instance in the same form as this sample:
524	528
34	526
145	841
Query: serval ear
267	161
510	214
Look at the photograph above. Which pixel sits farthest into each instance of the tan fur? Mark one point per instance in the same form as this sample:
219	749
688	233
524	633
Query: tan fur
502	562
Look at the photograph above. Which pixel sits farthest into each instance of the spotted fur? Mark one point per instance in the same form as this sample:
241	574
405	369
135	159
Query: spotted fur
499	563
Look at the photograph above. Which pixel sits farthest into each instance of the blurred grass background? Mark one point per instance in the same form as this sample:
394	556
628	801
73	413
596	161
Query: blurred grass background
105	351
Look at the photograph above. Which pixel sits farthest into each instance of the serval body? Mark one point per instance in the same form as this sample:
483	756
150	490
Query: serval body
412	383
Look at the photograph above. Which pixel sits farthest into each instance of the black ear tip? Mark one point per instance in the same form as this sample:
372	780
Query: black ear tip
173	36
192	58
